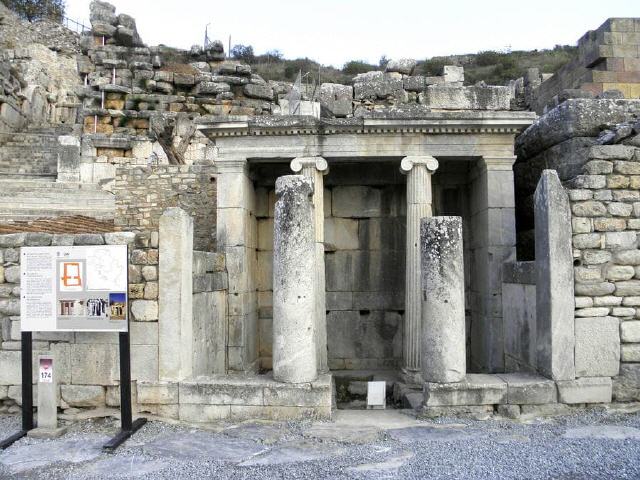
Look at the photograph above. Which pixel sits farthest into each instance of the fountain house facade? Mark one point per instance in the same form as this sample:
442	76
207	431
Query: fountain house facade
475	247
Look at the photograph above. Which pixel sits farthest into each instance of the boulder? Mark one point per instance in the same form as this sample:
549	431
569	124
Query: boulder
336	100
403	65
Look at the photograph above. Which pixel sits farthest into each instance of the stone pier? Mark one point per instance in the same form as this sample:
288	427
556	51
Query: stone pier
419	200
443	316
294	278
315	168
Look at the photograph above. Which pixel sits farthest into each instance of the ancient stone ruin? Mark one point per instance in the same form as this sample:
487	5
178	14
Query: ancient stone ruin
474	246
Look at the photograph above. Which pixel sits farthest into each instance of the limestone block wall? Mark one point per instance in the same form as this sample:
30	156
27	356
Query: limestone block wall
607	59
143	193
88	362
210	286
605	204
364	258
519	313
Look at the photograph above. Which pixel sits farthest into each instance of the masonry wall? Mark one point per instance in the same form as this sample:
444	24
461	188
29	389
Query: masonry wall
143	193
605	204
87	362
519	314
608	58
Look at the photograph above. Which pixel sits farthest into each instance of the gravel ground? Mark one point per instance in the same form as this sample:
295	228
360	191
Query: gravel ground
589	444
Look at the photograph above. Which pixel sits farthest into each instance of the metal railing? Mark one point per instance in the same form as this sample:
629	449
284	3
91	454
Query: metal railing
74	25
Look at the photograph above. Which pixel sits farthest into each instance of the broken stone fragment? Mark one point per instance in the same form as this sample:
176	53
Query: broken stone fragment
336	100
263	92
102	12
403	65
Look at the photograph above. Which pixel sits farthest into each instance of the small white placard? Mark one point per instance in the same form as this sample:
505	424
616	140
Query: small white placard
46	370
376	394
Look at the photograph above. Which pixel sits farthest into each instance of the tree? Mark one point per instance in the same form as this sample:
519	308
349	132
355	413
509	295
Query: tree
355	67
383	61
37	9
242	52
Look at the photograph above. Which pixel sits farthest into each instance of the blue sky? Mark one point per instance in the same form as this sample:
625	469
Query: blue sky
334	31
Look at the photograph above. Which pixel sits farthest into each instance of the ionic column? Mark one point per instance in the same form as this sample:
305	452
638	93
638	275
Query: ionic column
418	171
314	168
294	255
443	319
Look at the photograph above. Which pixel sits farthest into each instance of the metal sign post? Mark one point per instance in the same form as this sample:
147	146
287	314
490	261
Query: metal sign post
128	427
27	392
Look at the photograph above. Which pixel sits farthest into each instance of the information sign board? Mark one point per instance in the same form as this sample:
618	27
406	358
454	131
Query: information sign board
78	289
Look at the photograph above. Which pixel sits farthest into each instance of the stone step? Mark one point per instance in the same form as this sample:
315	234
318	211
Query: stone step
496	389
31	199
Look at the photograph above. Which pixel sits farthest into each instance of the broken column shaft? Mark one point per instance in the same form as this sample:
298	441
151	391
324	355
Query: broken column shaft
443	319
294	278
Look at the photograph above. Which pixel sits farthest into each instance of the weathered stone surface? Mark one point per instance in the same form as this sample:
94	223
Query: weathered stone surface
555	282
198	445
10	373
626	386
443	313
23	458
356	202
585	390
262	92
157	393
597	349
630	331
402	65
94	364
527	388
630	352
573	118
378	85
144	310
475	389
175	343
294	335
83	395
336	99
428	433
466	98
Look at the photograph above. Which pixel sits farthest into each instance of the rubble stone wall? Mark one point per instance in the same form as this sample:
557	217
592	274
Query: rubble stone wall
605	204
561	140
143	193
88	362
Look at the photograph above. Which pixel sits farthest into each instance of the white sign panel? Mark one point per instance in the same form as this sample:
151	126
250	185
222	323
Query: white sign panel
75	289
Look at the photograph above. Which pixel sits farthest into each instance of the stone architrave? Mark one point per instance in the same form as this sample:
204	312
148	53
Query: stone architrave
419	200
314	168
294	278
443	315
554	284
175	322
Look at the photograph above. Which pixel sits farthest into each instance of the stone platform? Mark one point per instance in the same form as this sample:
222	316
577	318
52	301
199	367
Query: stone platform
516	389
240	397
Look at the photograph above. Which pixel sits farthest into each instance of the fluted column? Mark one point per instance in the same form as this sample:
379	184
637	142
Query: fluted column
419	200
314	168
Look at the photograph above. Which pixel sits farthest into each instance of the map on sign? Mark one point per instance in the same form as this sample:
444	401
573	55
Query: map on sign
74	288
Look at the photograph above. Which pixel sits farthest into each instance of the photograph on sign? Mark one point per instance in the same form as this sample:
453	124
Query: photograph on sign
74	288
